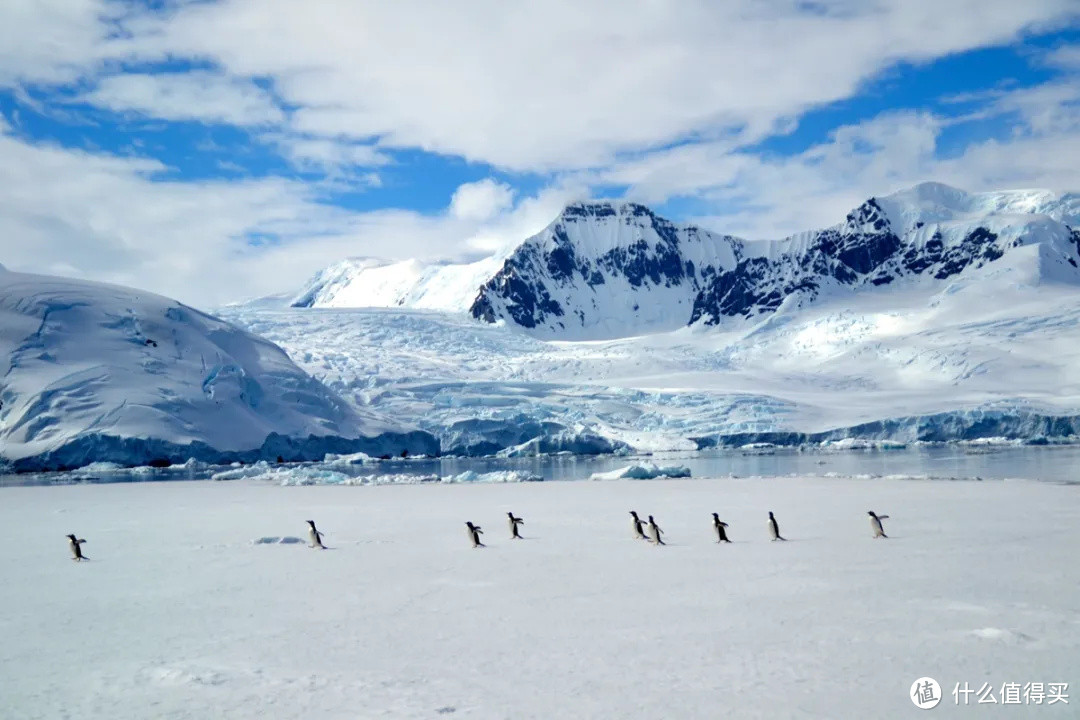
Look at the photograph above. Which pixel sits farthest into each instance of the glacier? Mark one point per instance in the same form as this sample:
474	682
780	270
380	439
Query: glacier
929	315
102	373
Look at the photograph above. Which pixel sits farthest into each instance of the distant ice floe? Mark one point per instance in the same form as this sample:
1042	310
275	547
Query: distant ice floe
348	460
320	475
863	444
646	471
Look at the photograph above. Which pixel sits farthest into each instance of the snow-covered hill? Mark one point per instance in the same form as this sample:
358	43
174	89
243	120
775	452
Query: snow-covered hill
94	372
605	270
365	282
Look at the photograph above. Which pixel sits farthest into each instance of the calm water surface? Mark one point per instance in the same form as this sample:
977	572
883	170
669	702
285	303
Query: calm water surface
1050	464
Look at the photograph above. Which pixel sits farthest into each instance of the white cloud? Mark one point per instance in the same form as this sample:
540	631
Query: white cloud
1066	57
662	97
326	154
531	215
198	96
110	218
556	84
53	41
481	200
771	198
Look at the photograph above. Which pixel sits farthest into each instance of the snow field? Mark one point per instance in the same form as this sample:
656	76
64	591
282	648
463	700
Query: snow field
187	610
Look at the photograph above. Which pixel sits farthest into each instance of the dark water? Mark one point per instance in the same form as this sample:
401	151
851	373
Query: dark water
1049	464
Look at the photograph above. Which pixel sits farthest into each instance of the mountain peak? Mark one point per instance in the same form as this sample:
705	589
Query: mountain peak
603	209
931	202
613	268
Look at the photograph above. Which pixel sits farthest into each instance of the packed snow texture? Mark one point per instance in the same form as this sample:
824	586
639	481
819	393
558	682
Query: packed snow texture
94	372
201	600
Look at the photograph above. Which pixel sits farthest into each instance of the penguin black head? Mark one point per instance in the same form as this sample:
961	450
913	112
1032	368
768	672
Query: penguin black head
770	513
71	538
311	523
470	525
871	513
510	515
716	516
634	513
650	519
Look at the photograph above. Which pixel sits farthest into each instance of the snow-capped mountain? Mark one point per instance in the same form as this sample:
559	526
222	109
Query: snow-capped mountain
931	231
611	269
94	372
605	270
367	282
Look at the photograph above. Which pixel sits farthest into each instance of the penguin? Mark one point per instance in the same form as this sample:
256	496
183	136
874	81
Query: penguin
719	525
315	535
655	532
774	529
875	524
76	551
639	533
514	522
474	534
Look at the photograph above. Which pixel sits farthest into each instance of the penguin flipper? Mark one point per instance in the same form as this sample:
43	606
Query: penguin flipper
882	517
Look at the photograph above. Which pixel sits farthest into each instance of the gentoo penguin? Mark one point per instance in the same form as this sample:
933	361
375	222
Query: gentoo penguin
315	535
875	524
639	532
76	551
655	532
719	525
514	522
474	534
774	529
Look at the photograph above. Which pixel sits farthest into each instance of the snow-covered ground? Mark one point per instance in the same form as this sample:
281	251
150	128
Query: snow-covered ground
996	342
184	611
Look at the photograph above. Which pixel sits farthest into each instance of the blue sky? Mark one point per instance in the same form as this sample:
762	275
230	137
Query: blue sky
227	149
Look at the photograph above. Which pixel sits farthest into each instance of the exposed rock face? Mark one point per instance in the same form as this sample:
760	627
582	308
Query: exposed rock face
610	269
